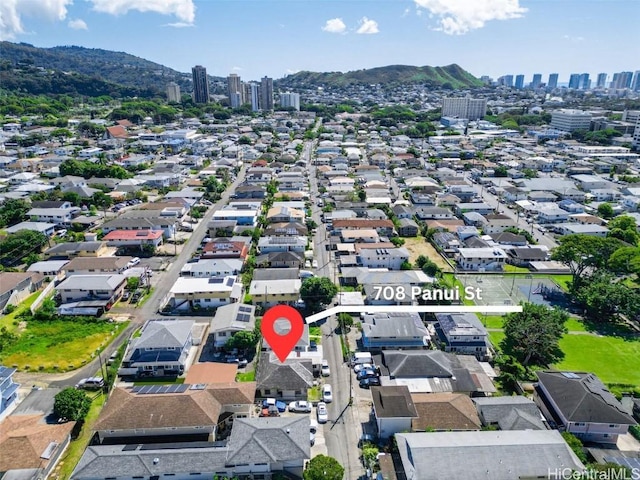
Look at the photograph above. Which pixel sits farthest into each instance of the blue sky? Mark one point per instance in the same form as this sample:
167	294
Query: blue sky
254	38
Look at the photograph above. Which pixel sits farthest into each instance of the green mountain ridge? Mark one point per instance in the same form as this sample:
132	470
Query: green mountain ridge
450	76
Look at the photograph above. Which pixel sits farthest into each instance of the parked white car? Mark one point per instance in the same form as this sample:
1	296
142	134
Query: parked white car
322	413
327	393
325	370
362	366
300	407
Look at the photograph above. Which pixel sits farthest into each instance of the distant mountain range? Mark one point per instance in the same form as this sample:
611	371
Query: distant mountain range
451	76
93	72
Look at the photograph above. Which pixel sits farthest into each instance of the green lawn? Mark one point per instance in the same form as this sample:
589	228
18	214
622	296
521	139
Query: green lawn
508	268
246	377
76	447
7	320
613	359
561	280
496	338
492	321
59	345
313	394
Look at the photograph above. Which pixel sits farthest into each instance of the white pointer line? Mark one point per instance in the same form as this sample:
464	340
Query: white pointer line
415	308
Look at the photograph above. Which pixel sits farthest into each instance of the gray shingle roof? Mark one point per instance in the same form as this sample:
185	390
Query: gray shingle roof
92	282
291	375
496	455
582	397
269	440
165	333
510	413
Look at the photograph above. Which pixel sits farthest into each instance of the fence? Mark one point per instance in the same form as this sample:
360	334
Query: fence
43	296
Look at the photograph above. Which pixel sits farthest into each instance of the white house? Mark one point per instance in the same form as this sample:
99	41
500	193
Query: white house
391	258
488	258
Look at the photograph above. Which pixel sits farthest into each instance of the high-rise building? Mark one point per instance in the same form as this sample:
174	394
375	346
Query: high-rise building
290	100
466	107
569	120
553	80
520	81
173	92
636	135
602	80
234	90
635	84
508	81
536	82
266	93
486	79
200	84
585	83
255	96
574	81
621	80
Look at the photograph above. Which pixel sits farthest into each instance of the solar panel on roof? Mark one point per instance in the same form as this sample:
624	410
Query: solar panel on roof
129	448
244	309
570	375
230	281
243	317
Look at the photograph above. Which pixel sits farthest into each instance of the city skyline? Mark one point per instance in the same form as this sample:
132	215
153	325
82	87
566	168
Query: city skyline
281	37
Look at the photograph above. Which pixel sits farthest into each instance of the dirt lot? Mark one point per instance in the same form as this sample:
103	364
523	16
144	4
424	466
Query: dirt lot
418	246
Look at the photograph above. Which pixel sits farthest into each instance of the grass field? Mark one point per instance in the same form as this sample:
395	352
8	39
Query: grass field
9	319
59	345
246	377
76	447
497	321
613	359
419	246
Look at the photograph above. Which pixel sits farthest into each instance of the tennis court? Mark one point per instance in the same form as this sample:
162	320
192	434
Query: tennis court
496	289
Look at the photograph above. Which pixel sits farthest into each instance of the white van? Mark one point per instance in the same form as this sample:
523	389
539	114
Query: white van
133	262
361	357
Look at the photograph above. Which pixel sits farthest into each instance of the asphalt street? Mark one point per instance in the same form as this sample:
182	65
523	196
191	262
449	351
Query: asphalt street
343	430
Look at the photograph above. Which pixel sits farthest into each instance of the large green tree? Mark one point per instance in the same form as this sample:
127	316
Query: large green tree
322	467
532	336
242	340
71	404
317	291
13	211
17	245
584	254
604	299
624	228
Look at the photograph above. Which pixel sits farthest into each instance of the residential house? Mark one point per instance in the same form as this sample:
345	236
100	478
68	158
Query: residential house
134	238
164	221
509	413
220	248
288	380
171	412
510	239
432	371
485	454
161	350
279	214
295	229
497	223
281	260
57	216
524	256
552	215
394	330
55	269
230	319
383	227
192	293
69	250
31	444
47	229
108	288
479	207
282	244
402	211
393	409
216	267
271	292
355	236
444	412
258	446
489	258
8	389
93	265
407	227
222	228
581	229
15	287
579	403
391	258
244	213
463	333
433	213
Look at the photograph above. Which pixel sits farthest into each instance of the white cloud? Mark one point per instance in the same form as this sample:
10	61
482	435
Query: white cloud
12	13
179	25
236	69
367	26
292	71
335	25
457	17
573	39
406	12
78	24
184	10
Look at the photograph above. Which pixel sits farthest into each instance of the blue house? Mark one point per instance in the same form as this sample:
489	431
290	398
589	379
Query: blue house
8	388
